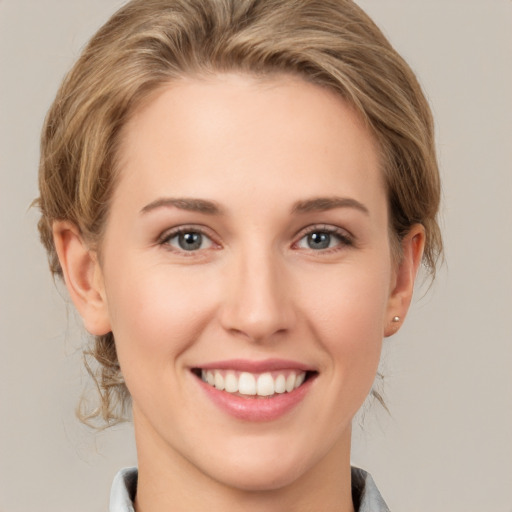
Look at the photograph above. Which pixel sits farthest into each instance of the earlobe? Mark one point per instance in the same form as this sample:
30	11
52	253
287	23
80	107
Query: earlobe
83	277
404	278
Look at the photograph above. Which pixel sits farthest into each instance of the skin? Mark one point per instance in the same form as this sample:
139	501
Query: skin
257	150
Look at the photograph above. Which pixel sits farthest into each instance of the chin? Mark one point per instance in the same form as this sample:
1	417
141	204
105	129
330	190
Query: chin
262	468
255	478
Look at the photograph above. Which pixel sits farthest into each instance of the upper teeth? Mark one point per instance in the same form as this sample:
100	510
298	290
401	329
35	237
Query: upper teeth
245	383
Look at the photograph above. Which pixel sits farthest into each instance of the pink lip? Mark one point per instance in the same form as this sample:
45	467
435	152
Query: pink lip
267	365
252	408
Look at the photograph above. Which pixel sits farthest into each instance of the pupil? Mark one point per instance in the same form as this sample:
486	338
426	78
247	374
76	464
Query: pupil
190	241
319	240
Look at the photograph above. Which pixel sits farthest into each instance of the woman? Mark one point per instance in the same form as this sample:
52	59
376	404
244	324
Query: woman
238	195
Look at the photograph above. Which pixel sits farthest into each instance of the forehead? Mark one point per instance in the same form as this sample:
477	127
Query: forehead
198	135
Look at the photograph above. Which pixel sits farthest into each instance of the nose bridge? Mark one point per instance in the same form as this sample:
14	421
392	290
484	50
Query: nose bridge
257	304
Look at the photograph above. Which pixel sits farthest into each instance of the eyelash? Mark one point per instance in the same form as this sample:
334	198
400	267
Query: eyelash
344	238
165	238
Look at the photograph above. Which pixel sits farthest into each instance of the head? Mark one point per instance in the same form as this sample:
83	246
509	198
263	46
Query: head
150	44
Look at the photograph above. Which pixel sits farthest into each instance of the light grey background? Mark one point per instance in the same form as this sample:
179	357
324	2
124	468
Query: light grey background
448	445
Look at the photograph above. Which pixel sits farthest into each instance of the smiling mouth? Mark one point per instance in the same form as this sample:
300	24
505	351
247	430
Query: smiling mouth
254	385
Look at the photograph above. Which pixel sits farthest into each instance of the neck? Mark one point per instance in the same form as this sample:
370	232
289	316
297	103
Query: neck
168	481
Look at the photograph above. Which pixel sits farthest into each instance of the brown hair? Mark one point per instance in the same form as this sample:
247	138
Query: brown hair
149	43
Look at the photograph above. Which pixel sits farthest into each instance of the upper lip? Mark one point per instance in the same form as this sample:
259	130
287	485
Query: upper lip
251	366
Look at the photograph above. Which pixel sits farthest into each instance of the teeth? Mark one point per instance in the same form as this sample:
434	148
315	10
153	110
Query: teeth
300	379
231	383
219	381
290	382
265	385
245	383
280	384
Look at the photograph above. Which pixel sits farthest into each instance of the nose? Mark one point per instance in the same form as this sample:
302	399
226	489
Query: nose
258	302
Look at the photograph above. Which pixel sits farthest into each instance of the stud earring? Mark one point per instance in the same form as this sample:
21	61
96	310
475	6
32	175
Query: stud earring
396	319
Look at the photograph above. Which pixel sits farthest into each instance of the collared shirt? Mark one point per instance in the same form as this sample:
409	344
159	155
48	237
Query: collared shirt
365	494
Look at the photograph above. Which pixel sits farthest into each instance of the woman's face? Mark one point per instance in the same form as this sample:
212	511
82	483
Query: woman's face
247	245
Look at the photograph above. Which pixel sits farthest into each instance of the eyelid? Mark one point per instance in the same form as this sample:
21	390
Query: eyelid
166	235
346	238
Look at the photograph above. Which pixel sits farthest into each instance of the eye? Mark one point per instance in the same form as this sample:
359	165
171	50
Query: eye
322	238
188	240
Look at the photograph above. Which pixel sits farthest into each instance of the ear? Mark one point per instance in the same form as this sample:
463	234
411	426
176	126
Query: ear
83	277
402	285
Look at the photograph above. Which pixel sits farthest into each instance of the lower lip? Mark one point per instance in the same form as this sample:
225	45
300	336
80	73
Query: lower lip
256	409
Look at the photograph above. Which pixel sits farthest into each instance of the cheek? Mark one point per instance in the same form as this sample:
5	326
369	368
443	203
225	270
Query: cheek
156	315
347	300
347	313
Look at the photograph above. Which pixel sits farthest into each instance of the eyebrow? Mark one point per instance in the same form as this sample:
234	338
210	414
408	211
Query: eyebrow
317	204
189	204
321	204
